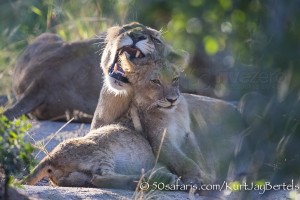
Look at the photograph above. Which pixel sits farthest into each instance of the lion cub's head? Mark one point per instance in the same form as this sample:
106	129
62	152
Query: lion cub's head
137	41
155	82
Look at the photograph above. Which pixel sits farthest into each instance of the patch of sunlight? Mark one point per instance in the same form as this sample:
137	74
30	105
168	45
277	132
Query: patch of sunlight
194	26
178	23
225	4
62	34
260	183
196	3
36	10
238	16
235	186
210	16
211	45
226	27
294	195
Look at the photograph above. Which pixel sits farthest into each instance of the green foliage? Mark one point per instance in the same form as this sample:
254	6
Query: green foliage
15	153
258	33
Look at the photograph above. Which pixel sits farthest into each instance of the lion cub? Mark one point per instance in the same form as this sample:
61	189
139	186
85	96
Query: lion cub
114	155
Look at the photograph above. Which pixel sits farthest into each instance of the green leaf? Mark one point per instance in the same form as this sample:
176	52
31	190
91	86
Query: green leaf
36	10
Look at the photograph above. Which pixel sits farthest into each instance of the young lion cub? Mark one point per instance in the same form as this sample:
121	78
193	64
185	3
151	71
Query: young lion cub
143	76
199	133
111	157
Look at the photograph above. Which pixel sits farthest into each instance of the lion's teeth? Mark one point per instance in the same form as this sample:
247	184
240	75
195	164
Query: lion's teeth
115	67
127	55
137	53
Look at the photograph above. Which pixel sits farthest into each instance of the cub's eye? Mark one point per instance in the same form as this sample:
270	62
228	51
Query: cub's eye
175	80
156	40
155	81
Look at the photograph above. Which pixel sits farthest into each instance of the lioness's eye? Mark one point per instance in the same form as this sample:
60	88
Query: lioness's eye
155	81
156	40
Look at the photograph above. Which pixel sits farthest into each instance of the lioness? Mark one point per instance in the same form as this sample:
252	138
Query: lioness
56	80
137	41
114	155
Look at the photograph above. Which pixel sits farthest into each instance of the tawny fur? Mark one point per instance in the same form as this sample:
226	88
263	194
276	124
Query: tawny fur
56	80
113	152
115	99
201	132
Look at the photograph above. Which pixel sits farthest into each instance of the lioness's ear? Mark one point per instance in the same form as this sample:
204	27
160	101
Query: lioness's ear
180	58
112	32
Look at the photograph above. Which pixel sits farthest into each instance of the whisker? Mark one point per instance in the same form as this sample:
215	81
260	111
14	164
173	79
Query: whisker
164	32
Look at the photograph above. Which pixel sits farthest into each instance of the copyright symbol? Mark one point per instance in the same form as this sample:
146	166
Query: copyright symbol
144	186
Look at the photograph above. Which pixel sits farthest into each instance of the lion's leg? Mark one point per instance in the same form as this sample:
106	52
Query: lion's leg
116	181
192	150
119	181
110	107
161	174
75	179
28	102
180	164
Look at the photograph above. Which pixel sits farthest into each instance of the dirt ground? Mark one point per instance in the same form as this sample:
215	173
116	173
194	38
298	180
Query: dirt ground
52	133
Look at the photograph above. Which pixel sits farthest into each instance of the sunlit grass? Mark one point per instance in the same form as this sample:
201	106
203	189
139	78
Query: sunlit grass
72	21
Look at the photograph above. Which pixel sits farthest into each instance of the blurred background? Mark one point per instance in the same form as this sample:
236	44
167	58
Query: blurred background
235	47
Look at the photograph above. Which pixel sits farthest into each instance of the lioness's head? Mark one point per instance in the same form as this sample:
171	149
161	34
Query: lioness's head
134	39
155	82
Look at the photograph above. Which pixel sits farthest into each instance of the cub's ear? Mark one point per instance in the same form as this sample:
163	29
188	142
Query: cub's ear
180	58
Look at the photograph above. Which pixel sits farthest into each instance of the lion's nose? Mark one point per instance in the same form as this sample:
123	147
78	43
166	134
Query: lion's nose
172	99
136	38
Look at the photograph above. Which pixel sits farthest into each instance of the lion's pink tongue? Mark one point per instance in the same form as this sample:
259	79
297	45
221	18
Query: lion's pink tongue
118	73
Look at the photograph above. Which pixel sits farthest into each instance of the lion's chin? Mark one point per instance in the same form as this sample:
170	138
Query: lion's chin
117	87
168	109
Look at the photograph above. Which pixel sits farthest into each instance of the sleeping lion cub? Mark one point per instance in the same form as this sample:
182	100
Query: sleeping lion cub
112	156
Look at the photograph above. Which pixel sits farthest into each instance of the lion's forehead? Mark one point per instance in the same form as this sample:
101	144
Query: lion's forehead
139	29
163	71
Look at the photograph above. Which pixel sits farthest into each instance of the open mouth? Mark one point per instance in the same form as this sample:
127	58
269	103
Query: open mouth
116	71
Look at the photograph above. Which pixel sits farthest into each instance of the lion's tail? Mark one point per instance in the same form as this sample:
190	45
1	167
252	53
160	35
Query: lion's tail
116	181
28	101
40	171
131	182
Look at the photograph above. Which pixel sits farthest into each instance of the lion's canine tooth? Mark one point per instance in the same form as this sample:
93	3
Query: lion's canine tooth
115	67
127	55
137	53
